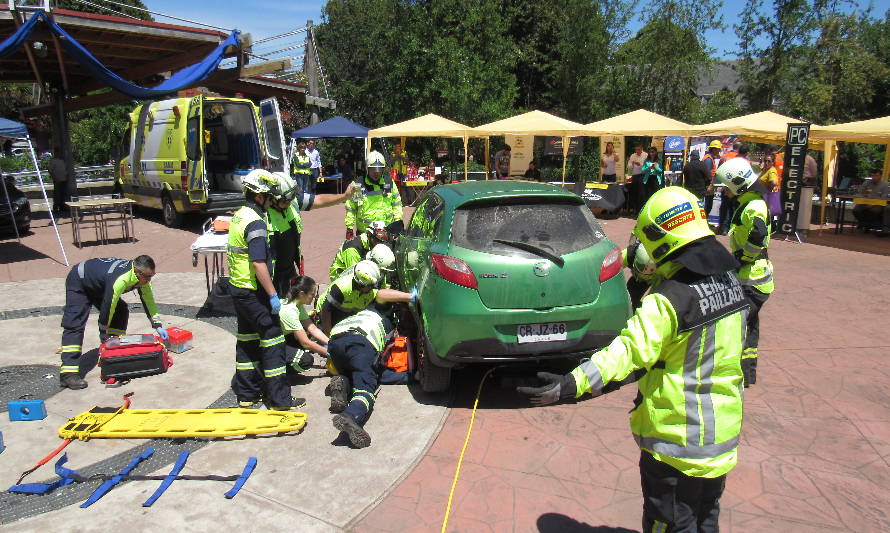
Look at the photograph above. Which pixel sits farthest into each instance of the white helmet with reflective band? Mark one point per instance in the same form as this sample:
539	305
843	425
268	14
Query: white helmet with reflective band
367	273
376	160
260	181
382	255
736	175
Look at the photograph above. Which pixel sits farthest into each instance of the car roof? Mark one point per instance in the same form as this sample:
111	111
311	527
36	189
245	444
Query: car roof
469	191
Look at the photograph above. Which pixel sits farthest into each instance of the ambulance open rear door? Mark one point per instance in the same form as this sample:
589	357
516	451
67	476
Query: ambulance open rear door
273	136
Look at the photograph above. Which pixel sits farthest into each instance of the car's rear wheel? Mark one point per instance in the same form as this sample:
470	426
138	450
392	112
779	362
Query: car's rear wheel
432	378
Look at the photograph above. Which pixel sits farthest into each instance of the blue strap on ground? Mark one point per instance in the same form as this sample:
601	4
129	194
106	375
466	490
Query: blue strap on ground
108	485
66	477
248	469
171	477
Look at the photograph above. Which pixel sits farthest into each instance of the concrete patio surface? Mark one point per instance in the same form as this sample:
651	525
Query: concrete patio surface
815	453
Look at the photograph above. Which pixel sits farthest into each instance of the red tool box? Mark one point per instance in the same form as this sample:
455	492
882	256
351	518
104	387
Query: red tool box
132	356
179	340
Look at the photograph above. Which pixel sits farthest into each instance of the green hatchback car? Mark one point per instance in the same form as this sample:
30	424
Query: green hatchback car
508	271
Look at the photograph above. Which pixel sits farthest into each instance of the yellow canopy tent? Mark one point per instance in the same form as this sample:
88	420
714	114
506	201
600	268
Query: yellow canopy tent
429	125
874	131
639	122
534	123
769	127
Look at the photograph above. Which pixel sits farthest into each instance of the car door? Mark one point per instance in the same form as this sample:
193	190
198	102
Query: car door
273	136
408	259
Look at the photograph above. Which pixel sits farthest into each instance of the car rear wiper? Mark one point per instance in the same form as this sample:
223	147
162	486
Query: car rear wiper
533	249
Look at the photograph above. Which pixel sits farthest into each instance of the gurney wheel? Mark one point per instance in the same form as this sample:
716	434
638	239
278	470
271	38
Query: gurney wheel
194	260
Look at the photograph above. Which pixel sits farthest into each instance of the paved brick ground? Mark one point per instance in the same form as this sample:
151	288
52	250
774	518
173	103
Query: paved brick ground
815	454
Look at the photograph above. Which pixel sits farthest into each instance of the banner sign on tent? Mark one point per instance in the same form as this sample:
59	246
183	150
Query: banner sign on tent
674	144
521	152
796	143
553	145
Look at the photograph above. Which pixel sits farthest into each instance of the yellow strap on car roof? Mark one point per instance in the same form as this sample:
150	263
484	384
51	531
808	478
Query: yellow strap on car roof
115	423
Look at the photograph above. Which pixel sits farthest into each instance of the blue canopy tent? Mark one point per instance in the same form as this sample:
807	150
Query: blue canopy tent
336	127
332	127
11	129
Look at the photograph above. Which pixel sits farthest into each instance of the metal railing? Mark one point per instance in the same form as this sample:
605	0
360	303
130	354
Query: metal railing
81	175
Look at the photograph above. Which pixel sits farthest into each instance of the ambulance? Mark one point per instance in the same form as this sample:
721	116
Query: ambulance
188	155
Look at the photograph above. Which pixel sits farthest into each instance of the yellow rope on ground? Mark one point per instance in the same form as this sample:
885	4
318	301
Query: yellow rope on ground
460	459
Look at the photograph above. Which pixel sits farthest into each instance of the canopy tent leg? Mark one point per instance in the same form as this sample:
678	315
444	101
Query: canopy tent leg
886	171
829	164
45	199
466	158
565	155
487	158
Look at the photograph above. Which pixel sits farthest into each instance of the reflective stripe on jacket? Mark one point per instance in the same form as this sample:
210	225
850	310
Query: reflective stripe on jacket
689	338
351	252
241	271
368	324
353	299
109	278
301	165
749	236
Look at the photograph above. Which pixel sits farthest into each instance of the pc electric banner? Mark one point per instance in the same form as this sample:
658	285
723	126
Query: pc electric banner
796	143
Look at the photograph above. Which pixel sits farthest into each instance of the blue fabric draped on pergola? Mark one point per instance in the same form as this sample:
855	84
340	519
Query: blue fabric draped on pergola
12	129
187	77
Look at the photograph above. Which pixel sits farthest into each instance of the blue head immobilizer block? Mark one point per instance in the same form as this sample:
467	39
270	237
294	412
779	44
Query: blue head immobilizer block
20	410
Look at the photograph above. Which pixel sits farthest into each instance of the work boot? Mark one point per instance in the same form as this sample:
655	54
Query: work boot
295	403
249	403
72	380
339	388
357	434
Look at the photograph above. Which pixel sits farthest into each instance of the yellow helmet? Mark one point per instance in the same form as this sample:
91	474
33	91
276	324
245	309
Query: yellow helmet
715	144
672	218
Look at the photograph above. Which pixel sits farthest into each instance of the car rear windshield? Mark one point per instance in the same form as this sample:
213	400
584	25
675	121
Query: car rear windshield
553	226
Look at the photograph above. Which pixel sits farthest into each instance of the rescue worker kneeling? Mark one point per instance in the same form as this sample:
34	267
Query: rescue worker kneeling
688	334
355	348
354	290
298	327
357	248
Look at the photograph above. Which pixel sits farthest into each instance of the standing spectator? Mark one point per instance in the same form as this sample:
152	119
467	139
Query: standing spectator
653	174
810	171
711	160
769	178
635	165
610	159
399	162
58	171
315	167
695	176
300	168
502	163
532	173
345	169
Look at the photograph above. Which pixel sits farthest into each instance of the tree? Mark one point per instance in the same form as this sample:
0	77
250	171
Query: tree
660	67
875	38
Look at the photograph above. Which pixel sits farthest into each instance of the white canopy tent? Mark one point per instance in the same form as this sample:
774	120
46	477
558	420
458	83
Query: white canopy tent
9	129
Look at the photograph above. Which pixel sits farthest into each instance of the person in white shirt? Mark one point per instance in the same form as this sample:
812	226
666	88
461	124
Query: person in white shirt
610	159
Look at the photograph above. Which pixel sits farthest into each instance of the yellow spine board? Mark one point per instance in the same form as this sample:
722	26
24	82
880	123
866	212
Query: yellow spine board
105	423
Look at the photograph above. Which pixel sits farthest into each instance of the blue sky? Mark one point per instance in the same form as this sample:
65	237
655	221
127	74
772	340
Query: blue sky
262	18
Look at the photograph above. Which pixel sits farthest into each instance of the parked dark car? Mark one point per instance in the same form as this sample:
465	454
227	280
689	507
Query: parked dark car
21	209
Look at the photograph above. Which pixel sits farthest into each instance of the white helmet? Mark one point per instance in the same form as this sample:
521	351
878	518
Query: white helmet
287	187
260	181
382	255
376	160
736	175
366	273
378	230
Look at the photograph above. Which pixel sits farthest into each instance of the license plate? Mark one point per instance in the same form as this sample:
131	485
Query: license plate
548	331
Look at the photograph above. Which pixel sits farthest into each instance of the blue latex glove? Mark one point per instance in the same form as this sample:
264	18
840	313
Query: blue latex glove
275	303
162	332
414	296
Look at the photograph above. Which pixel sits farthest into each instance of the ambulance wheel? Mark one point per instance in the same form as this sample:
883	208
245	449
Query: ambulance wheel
432	378
172	218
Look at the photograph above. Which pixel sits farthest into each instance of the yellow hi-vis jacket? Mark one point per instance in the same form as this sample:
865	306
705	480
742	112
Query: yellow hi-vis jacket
749	237
242	230
689	338
374	202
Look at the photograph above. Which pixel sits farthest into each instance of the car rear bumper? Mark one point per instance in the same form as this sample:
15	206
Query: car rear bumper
495	350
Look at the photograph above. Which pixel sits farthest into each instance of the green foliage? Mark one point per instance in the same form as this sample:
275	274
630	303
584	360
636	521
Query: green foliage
20	163
95	131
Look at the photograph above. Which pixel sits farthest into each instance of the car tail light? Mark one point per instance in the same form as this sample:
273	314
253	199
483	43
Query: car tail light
184	173
456	271
611	264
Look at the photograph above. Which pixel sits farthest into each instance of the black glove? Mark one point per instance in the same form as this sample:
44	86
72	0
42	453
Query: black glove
556	387
740	257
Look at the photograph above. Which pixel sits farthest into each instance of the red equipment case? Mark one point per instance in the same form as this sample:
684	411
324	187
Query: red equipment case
132	356
179	340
